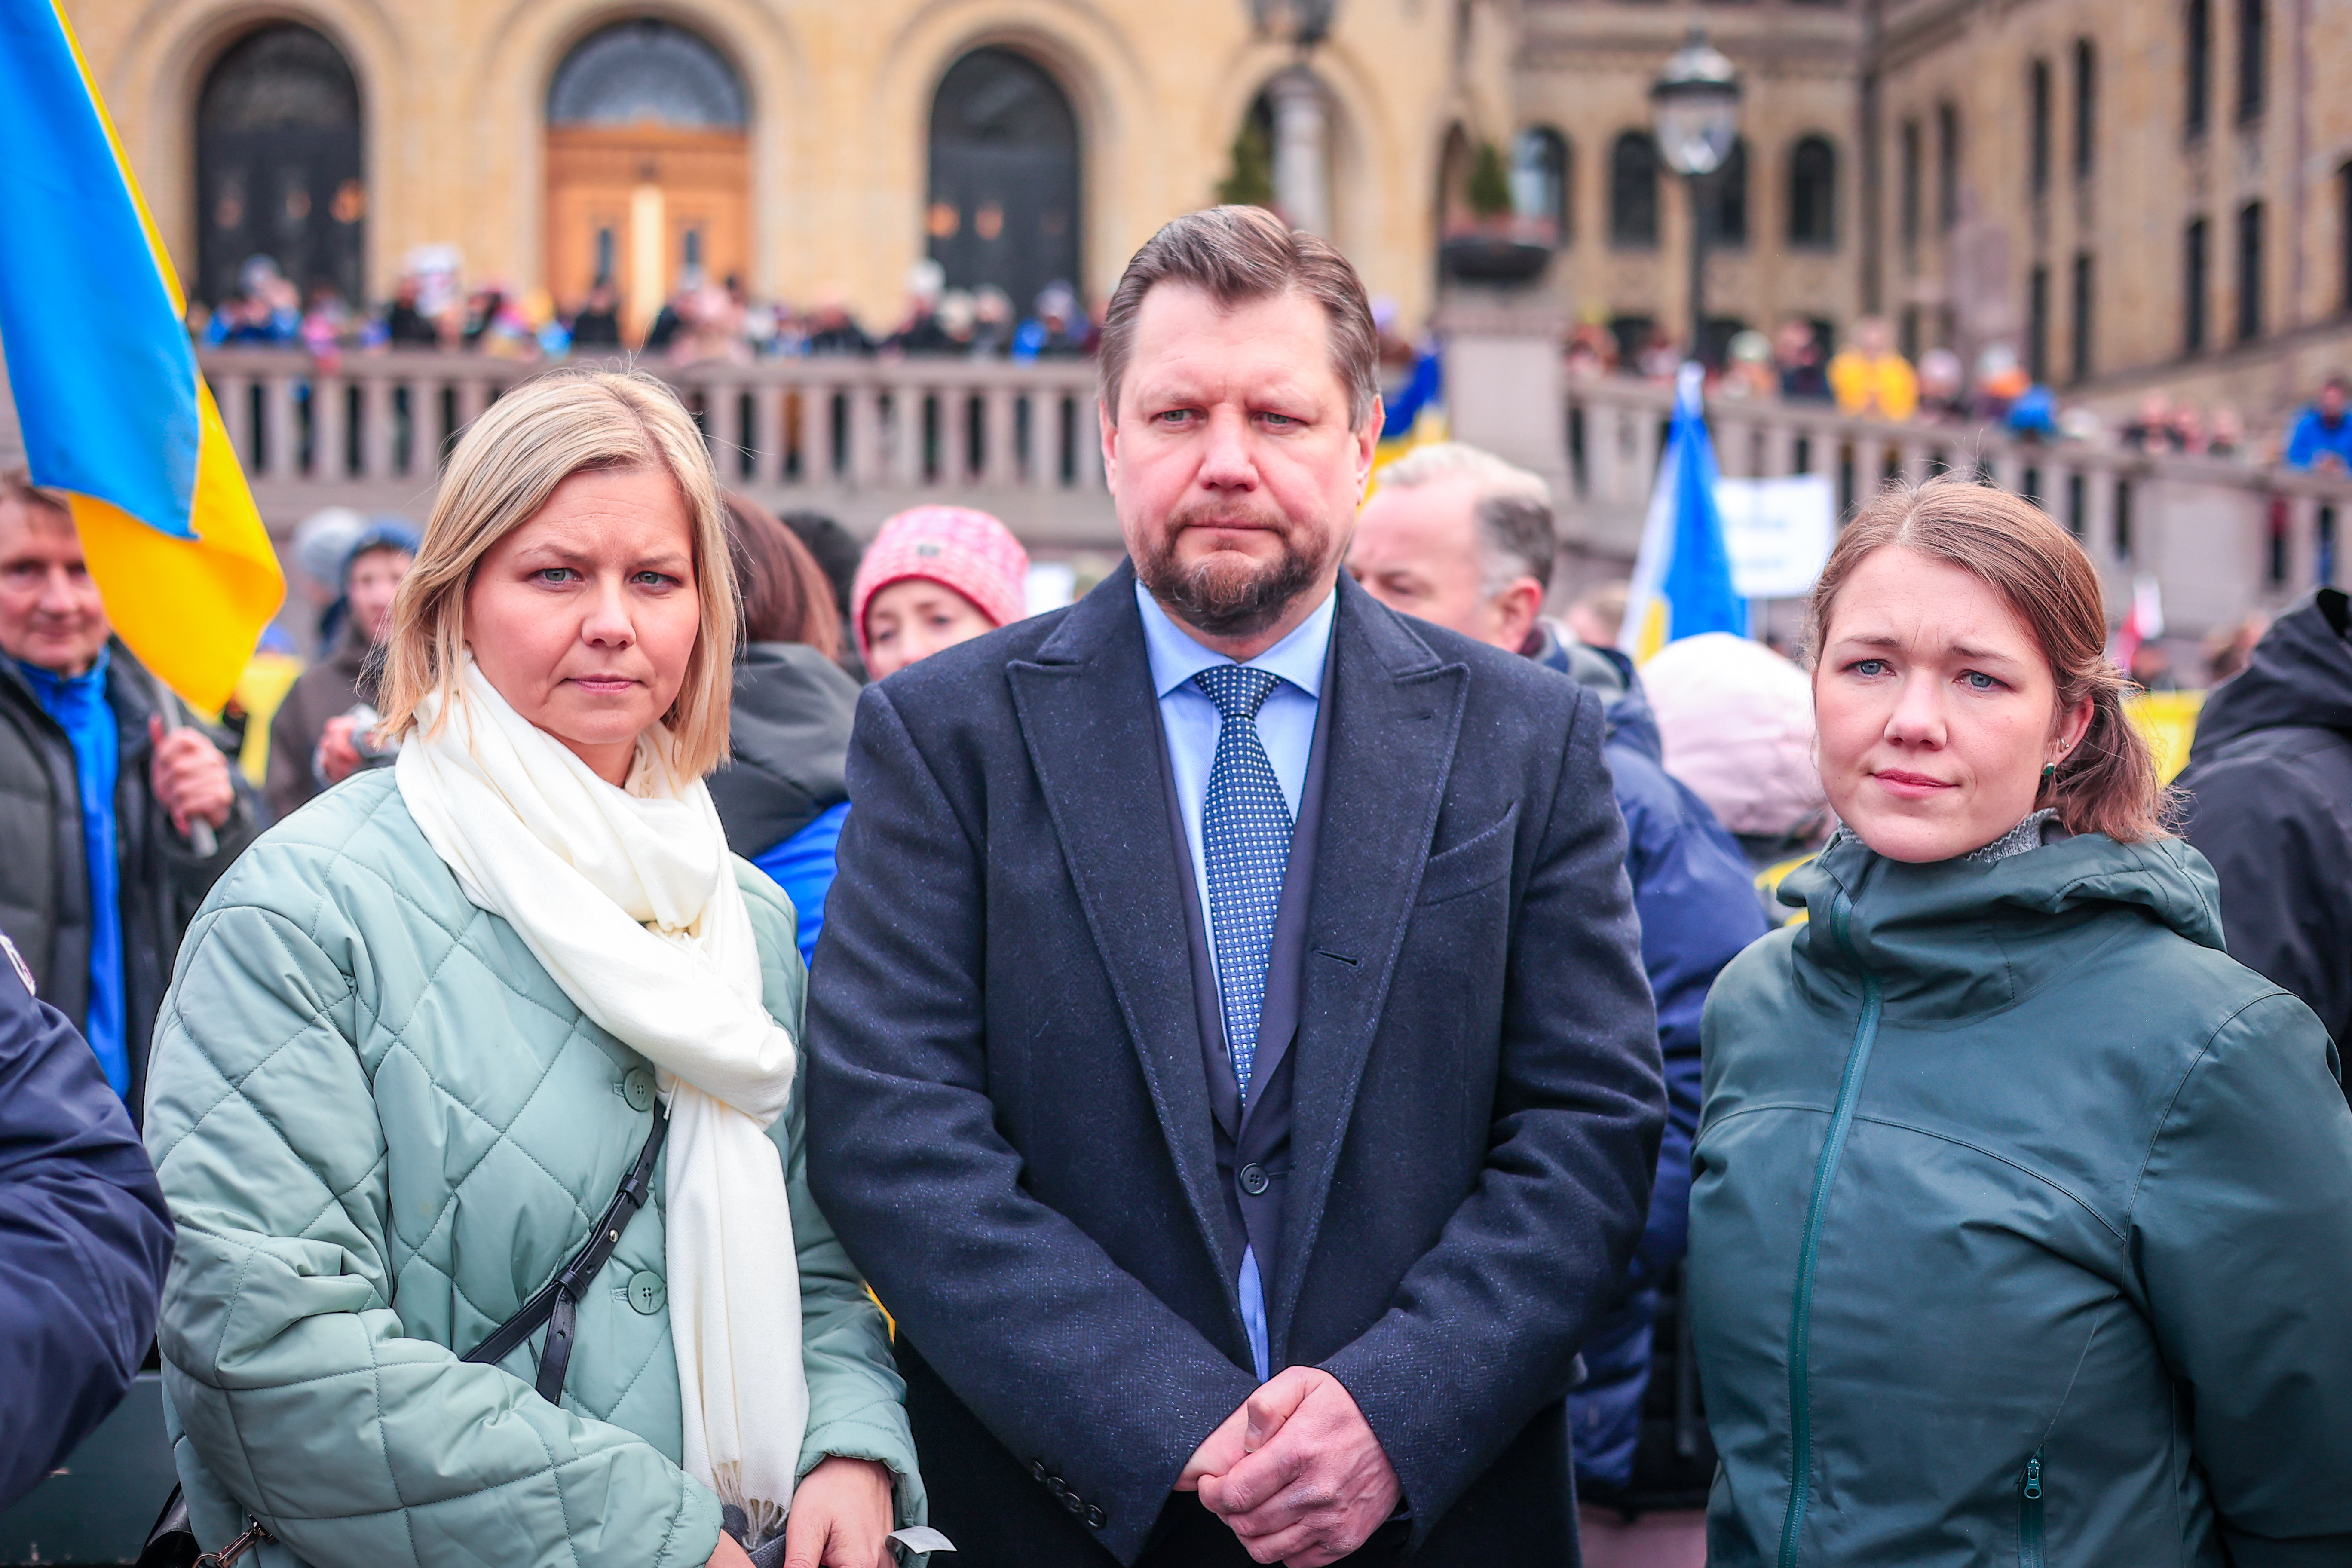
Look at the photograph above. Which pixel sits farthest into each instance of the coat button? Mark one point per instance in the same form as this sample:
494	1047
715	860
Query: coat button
1074	1502
1055	1485
648	1291
1255	1181
637	1088
1096	1518
1038	1470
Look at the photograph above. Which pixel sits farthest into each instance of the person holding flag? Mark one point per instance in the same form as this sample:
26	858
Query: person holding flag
100	796
1681	576
132	541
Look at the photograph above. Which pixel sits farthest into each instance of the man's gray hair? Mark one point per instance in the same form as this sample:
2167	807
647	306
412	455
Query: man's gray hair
1513	509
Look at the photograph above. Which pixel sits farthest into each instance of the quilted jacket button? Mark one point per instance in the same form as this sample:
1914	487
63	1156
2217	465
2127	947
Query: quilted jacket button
648	1291
637	1088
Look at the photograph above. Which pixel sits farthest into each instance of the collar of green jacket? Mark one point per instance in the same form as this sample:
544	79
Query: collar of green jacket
1953	939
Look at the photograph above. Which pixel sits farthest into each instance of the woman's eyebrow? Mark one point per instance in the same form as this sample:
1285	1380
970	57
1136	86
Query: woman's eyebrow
1982	655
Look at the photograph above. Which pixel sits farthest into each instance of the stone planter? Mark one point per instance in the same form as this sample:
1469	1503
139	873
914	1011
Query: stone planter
1492	258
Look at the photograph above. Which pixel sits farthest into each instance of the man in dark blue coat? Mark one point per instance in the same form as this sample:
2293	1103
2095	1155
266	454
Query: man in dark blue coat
1231	1058
1459	537
84	1238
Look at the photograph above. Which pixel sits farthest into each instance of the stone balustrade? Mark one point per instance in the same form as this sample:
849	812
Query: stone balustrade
858	438
2221	536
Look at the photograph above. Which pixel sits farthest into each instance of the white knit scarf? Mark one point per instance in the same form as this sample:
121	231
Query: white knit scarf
628	898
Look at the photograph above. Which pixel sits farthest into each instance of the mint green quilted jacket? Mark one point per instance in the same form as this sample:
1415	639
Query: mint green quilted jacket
382	1126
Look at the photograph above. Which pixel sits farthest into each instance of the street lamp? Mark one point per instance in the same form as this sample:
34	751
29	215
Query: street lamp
1694	106
1300	119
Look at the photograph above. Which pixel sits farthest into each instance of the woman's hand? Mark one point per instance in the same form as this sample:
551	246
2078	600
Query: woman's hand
728	1554
840	1517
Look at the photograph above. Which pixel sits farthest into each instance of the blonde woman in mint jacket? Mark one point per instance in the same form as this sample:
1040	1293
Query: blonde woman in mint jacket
2020	1215
420	1032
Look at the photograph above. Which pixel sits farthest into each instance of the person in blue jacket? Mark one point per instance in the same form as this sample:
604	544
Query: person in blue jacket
84	1237
1461	538
2323	432
782	798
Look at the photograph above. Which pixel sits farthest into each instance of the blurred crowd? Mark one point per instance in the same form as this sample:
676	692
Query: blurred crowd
708	320
1868	377
704	320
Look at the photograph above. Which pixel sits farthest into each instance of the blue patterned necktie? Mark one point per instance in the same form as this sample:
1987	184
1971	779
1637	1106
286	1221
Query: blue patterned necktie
1246	842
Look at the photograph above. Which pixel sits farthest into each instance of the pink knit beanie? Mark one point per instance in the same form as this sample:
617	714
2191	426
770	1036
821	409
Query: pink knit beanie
968	551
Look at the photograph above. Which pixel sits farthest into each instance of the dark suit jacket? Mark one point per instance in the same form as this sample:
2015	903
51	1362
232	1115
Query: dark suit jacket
1011	1125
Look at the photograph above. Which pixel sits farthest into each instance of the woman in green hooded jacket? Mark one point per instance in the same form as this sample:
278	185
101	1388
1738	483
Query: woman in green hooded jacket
422	1031
2021	1215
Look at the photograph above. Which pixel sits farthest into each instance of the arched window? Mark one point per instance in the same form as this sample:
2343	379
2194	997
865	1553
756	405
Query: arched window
2253	59
2037	96
648	170
1813	190
1633	191
279	168
1947	166
645	71
2087	108
1005	177
1539	176
2196	67
1726	191
1454	159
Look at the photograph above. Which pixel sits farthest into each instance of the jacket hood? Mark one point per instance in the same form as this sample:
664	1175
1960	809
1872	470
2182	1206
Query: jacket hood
789	736
1610	674
2301	674
1956	938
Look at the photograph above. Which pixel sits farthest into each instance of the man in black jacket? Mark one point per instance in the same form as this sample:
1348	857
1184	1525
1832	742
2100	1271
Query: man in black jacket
2269	788
97	882
84	1238
1230	1055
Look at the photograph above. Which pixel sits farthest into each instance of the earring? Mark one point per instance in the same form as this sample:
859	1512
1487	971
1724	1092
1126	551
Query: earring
2049	772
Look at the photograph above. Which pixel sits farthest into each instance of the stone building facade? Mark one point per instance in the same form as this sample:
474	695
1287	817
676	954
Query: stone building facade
826	111
2148	194
2026	171
1583	70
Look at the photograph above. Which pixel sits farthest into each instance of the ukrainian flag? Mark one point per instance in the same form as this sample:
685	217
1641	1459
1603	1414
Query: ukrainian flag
113	412
1415	416
1682	577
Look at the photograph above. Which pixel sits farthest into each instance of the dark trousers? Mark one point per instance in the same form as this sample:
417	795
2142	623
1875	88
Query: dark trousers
999	1516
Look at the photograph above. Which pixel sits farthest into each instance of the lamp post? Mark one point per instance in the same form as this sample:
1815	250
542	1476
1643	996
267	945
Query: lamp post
1300	119
1694	107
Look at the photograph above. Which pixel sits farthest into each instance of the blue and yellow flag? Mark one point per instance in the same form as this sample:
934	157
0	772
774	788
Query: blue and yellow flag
1681	576
114	413
1415	416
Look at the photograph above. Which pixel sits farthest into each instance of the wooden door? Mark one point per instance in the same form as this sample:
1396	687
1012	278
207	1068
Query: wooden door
641	206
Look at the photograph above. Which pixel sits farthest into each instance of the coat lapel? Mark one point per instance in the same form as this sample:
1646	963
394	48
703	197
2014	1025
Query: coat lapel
1396	715
1091	723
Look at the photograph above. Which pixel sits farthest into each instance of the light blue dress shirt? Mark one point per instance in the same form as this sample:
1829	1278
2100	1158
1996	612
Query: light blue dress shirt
1286	726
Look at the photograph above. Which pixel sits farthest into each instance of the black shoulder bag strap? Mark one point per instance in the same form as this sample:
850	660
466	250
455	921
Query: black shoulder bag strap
171	1544
559	1299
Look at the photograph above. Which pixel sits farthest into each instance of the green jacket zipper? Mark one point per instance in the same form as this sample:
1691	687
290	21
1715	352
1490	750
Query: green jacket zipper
2028	1516
1801	1309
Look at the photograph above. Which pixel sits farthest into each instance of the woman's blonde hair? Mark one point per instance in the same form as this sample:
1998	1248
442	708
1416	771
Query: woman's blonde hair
2107	783
536	436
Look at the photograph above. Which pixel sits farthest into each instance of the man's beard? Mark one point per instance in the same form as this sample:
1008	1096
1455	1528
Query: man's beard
1228	594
